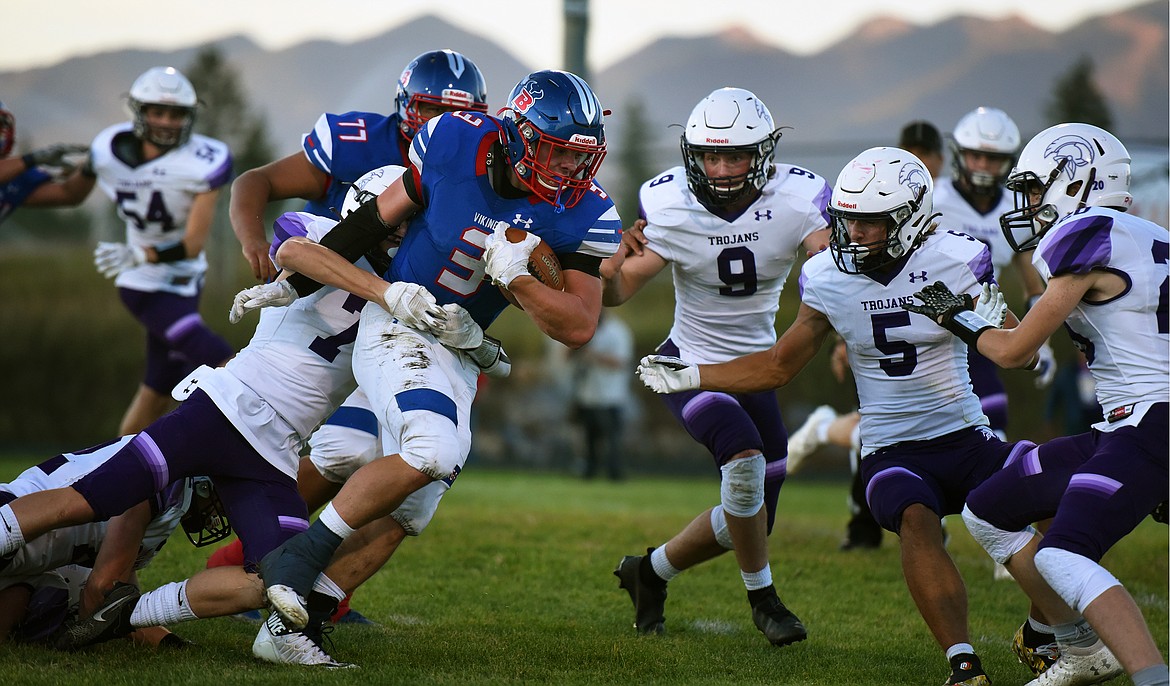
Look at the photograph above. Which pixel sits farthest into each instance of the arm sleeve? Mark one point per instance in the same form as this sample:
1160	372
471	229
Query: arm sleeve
353	236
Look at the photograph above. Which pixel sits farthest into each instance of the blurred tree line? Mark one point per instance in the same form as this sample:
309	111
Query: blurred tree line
73	356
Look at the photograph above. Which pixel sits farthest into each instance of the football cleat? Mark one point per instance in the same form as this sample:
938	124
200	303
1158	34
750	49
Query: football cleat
649	599
803	442
277	643
966	670
1077	666
289	604
1035	650
777	622
109	621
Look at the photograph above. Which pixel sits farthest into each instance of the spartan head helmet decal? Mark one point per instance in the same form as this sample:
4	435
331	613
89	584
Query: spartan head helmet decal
1073	148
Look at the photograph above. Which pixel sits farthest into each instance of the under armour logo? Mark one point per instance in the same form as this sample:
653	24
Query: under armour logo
761	215
920	276
521	221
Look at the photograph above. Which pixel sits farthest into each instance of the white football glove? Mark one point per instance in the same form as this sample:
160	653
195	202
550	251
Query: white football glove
112	259
414	306
504	260
666	374
991	306
1045	367
56	155
459	330
491	358
275	294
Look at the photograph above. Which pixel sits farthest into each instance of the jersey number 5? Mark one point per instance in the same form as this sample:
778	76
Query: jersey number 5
906	355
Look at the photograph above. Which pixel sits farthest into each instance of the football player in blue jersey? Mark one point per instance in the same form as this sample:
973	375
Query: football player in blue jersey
22	180
343	147
472	176
339	150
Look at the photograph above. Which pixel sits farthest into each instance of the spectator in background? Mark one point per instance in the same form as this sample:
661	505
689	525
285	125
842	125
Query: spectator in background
921	138
602	394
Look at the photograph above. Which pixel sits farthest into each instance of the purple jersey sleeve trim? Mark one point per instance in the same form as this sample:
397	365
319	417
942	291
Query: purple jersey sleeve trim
1079	245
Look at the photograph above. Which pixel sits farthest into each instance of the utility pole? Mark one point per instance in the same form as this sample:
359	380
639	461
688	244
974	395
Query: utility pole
576	34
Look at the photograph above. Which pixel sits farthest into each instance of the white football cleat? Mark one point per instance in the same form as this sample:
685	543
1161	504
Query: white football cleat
277	643
803	442
1078	666
289	604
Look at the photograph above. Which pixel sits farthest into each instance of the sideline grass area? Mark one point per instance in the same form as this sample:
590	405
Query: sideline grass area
512	583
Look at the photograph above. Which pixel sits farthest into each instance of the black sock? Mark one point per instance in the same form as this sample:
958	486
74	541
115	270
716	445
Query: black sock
761	594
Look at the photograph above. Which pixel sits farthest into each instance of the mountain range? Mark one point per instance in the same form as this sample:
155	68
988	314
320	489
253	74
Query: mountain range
856	93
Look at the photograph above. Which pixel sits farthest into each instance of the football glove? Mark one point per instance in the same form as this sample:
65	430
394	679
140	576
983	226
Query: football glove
1045	366
458	330
54	155
952	312
991	306
111	259
504	260
491	358
275	294
666	374
414	306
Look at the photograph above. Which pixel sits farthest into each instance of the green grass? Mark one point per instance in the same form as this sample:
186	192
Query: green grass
512	583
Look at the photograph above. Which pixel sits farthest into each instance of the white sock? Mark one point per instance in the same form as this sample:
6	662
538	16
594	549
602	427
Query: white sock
164	605
1039	626
822	432
325	585
334	522
757	580
959	649
11	537
661	565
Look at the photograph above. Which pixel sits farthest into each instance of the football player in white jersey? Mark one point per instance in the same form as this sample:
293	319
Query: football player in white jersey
925	440
730	223
983	148
1107	282
243	424
34	596
164	181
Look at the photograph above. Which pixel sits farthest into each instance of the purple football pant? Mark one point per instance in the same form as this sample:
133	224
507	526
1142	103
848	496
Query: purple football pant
730	423
938	473
177	340
1097	486
263	504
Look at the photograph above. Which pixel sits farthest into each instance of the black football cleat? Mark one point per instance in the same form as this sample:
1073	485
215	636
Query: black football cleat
649	598
777	622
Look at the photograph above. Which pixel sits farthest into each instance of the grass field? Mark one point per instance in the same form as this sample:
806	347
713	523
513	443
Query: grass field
512	583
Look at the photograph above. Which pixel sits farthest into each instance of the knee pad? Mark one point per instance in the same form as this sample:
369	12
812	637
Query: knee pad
741	490
999	544
1075	578
431	444
719	526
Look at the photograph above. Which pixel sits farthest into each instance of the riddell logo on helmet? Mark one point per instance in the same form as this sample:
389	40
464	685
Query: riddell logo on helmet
847	205
718	140
579	138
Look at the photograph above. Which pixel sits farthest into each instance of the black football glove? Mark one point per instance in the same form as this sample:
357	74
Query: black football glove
952	312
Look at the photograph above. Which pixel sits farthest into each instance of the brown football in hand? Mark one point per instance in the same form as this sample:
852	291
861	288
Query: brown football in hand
542	264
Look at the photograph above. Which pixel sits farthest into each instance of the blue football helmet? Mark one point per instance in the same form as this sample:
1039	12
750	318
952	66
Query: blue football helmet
443	78
553	117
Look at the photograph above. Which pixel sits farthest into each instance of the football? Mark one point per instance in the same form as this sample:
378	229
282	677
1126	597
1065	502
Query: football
542	264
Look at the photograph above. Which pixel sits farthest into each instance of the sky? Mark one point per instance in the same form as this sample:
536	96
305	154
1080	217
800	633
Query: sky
42	35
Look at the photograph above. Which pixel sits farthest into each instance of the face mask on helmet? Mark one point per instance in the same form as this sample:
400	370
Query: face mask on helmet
885	195
554	136
983	148
435	82
205	521
7	131
1063	169
729	128
162	103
